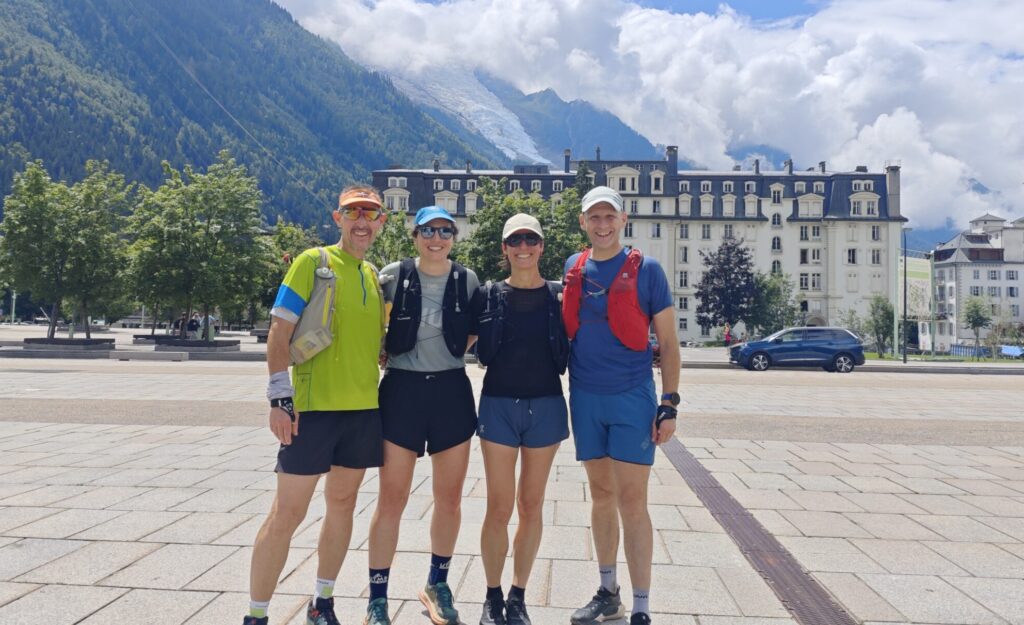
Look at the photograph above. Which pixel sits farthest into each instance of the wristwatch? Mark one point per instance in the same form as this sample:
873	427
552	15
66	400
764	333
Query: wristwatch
672	398
286	404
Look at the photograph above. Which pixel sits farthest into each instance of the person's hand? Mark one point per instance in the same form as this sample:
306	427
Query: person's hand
664	432
282	425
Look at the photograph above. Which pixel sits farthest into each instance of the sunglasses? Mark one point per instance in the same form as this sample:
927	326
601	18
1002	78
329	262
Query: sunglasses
445	232
531	239
355	212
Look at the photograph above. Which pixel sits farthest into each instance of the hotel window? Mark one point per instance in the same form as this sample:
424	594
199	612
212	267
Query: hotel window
1015	310
776	244
748	187
975	291
705	331
455	185
815	232
805	281
513	185
634	207
471	185
557	186
776	268
855	207
851	256
1012	291
684	279
1011	274
682	323
684	302
705	231
776	196
728	207
856	185
800	187
995	291
622	184
816	256
438	185
869	185
684	186
977	274
804	233
403	203
627	231
655	231
390	201
993	274
727	187
727	231
705	186
657	183
684	254
876	257
876	233
684	231
777	220
535	186
657	207
392	182
815	281
805	257
403	182
872	209
819	187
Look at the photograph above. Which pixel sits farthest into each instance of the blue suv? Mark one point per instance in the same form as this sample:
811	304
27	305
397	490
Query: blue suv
832	349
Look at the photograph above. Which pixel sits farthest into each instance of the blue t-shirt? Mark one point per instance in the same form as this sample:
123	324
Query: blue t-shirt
599	362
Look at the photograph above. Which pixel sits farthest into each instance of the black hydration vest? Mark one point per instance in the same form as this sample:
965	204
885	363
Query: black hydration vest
407	307
492	322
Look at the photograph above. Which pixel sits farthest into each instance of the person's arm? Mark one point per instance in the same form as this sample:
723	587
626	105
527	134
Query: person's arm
278	359
668	344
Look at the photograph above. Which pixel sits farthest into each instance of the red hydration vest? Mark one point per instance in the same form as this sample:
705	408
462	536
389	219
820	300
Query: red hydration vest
626	319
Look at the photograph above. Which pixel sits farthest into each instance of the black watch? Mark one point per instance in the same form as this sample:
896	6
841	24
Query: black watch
673	398
286	404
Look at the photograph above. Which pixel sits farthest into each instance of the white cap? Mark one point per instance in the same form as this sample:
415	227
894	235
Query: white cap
599	195
521	221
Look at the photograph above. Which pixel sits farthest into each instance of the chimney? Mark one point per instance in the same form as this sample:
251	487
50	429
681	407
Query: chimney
672	155
598	153
437	164
757	166
821	166
892	188
736	168
469	167
568	157
789	166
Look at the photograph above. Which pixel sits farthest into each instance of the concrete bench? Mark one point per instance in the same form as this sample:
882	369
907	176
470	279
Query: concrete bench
134	355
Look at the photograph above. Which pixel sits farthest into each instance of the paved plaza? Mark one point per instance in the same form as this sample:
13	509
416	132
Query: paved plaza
130	492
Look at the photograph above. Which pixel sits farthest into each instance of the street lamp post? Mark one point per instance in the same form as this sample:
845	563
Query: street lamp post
905	231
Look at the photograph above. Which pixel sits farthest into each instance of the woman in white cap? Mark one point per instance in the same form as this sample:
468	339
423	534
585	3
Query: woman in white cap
426	405
522	411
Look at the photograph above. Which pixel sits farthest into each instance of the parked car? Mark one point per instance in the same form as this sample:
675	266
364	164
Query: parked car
832	349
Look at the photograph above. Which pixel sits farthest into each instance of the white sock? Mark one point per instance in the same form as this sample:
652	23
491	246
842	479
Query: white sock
609	580
258	608
324	588
641	601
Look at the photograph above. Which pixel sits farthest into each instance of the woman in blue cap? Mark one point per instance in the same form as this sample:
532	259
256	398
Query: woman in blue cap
426	405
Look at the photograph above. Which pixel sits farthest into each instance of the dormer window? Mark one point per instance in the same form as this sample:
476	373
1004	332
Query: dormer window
749	186
438	185
800	187
776	196
869	185
557	186
857	186
819	187
684	186
455	185
471	185
535	186
705	186
727	187
513	185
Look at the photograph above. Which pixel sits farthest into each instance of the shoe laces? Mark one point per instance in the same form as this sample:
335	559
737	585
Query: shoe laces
444	595
325	609
494	608
516	607
378	612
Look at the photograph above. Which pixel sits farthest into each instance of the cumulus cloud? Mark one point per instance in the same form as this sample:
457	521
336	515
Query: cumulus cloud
934	85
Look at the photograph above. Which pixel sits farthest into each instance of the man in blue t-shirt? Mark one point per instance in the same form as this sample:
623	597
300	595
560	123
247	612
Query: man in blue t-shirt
616	420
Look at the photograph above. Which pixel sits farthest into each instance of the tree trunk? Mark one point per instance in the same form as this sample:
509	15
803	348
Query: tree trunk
205	327
156	316
52	330
85	317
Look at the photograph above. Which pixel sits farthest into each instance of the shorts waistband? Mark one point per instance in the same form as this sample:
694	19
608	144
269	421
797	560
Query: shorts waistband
428	375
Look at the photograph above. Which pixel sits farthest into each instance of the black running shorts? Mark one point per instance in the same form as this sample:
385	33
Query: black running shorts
343	438
422	410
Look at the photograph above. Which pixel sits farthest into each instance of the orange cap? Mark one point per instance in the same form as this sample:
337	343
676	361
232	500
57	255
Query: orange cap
359	197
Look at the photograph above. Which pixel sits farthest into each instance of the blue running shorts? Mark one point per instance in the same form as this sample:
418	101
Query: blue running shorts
616	425
536	422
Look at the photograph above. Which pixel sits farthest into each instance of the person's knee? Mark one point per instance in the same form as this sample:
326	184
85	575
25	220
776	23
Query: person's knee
448	501
284	519
632	503
340	503
391	502
530	506
602	493
500	510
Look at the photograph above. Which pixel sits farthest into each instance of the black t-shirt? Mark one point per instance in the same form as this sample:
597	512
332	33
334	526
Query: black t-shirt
524	366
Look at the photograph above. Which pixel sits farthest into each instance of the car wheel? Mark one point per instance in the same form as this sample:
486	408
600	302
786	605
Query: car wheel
843	363
760	361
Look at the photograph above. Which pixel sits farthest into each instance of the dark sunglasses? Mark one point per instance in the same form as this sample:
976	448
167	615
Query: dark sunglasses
353	213
531	239
445	232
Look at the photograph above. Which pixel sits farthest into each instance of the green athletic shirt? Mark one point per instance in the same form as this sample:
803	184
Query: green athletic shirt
345	375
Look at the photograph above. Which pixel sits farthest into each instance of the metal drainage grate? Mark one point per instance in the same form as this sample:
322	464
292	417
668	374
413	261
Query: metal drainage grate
806	599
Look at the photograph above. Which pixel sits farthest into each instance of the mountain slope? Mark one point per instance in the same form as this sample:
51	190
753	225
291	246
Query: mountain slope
86	79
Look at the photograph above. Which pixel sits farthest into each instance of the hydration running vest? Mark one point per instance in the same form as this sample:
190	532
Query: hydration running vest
491	324
407	307
626	319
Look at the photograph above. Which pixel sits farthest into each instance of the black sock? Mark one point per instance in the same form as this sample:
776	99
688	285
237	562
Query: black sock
495	594
379	583
438	569
515	592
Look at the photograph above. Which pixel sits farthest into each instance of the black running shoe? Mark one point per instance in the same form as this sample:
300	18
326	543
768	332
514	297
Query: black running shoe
321	612
515	612
494	612
253	620
605	606
640	618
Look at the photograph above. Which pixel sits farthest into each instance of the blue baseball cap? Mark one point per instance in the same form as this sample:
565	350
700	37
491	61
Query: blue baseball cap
429	213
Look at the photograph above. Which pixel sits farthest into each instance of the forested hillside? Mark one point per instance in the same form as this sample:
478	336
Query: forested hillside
84	79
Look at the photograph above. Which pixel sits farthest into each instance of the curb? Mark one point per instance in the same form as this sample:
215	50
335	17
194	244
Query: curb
908	368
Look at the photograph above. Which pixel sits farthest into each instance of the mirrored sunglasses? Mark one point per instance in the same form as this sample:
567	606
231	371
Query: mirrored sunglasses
445	232
354	212
530	238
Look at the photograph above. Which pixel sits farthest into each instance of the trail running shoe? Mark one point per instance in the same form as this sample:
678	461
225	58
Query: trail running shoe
640	618
515	612
437	598
253	620
494	612
605	606
377	612
321	612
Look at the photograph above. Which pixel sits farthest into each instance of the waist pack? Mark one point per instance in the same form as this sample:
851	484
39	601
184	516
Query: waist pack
313	332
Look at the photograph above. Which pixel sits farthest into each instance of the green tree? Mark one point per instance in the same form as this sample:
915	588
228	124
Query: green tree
976	317
38	238
727	289
879	322
393	242
583	183
774	305
853	322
